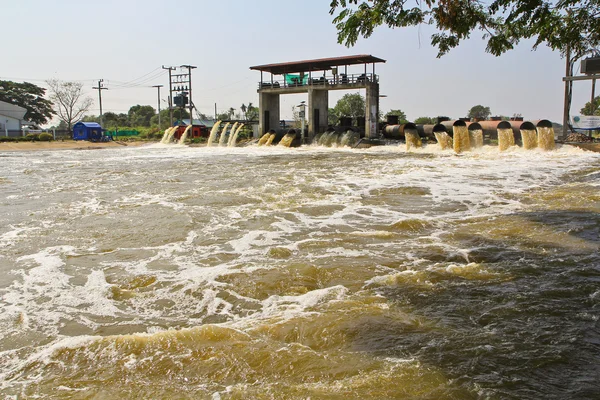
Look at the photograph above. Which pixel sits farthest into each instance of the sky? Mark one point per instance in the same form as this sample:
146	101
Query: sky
126	42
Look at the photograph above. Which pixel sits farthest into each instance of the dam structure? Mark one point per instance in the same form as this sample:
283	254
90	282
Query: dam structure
317	77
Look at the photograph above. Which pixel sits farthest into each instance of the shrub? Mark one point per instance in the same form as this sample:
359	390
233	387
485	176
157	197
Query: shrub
45	137
32	136
8	139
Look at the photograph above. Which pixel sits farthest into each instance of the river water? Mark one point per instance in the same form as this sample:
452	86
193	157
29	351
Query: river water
277	273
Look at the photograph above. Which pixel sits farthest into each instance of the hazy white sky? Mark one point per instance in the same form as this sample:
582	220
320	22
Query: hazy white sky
128	41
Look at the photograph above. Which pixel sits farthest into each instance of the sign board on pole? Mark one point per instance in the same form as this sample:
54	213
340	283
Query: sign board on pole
586	122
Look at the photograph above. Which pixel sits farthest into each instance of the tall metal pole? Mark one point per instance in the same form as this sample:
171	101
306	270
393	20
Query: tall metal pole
170	95
592	103
567	93
100	89
158	87
189	68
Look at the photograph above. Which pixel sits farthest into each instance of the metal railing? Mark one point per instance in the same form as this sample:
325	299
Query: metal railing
334	80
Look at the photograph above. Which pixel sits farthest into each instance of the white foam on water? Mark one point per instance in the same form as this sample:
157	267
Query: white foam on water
290	306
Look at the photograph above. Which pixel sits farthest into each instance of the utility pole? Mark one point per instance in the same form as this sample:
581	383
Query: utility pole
592	104
190	68
567	101
170	95
158	87
100	89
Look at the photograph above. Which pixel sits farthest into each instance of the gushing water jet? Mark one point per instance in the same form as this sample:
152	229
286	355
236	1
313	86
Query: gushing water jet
222	139
213	133
545	132
185	134
288	139
475	135
506	137
223	133
441	135
234	137
350	138
460	136
411	136
528	135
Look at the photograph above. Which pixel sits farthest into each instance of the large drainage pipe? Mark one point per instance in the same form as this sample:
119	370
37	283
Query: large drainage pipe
398	132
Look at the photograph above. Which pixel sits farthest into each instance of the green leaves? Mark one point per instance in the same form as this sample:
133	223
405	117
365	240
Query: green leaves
562	25
30	97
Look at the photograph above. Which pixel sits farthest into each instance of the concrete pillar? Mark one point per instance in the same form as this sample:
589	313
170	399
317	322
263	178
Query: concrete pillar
269	117
372	109
318	111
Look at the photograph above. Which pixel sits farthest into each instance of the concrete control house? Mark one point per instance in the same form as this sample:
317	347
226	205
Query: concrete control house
317	78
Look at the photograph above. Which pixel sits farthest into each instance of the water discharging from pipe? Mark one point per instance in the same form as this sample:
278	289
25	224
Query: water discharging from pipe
270	139
444	140
506	138
165	135
529	138
168	136
287	140
223	139
412	139
461	138
545	135
263	139
328	139
476	138
184	135
350	138
213	133
223	133
233	138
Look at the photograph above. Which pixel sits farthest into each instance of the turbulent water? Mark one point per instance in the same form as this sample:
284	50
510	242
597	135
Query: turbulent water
269	272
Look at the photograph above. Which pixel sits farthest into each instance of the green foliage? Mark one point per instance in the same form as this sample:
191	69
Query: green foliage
400	114
30	97
140	115
223	117
479	112
560	25
425	120
251	113
45	137
350	105
34	137
587	109
332	118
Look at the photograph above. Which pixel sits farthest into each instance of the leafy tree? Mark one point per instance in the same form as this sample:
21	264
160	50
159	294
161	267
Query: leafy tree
223	116
332	118
244	108
141	115
30	97
91	118
251	112
400	114
425	120
561	25
350	105
479	112
587	109
68	100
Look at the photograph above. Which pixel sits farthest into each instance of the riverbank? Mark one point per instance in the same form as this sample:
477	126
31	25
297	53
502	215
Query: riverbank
65	145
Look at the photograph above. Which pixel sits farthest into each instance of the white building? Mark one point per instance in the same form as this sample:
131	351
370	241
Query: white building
11	119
